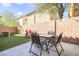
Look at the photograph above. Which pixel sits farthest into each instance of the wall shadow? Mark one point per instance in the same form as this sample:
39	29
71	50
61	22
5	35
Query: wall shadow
71	40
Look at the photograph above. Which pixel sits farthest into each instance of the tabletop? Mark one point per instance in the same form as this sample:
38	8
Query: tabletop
45	35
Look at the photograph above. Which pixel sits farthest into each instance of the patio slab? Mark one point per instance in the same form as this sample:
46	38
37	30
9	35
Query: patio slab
23	50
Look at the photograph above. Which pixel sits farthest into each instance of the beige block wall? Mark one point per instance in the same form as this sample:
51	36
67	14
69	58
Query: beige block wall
70	29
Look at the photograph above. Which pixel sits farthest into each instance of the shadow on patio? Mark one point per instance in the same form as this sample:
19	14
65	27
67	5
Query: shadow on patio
70	39
23	50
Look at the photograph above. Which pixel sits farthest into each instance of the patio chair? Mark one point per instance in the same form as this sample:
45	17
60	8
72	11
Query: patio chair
51	32
56	42
36	40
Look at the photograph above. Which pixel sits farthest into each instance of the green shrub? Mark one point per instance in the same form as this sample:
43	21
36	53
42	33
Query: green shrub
8	23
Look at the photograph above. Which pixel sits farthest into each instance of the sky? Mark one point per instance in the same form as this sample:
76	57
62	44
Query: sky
65	14
19	9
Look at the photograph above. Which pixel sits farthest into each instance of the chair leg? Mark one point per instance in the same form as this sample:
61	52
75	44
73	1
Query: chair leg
56	48
61	47
41	51
30	48
31	51
47	47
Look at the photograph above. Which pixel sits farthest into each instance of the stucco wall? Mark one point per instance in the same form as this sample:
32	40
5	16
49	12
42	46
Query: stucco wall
39	18
70	29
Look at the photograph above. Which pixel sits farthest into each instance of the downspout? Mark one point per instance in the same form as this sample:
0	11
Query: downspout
34	17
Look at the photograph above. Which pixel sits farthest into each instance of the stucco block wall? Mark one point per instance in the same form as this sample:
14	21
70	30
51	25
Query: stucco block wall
70	29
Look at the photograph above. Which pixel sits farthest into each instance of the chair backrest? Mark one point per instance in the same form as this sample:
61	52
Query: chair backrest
35	39
59	38
50	32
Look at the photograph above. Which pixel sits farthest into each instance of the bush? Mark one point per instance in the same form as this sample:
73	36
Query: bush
8	23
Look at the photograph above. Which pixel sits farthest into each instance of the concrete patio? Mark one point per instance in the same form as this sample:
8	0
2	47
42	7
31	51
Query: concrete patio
23	50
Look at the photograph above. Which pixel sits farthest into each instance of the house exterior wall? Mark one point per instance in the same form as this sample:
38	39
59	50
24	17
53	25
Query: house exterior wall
42	18
39	18
30	21
21	24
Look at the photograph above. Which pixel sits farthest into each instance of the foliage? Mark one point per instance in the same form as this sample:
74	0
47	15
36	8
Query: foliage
73	9
7	18
52	8
61	8
8	15
8	23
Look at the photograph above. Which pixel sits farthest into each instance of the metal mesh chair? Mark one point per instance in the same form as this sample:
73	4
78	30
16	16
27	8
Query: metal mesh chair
56	42
36	40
